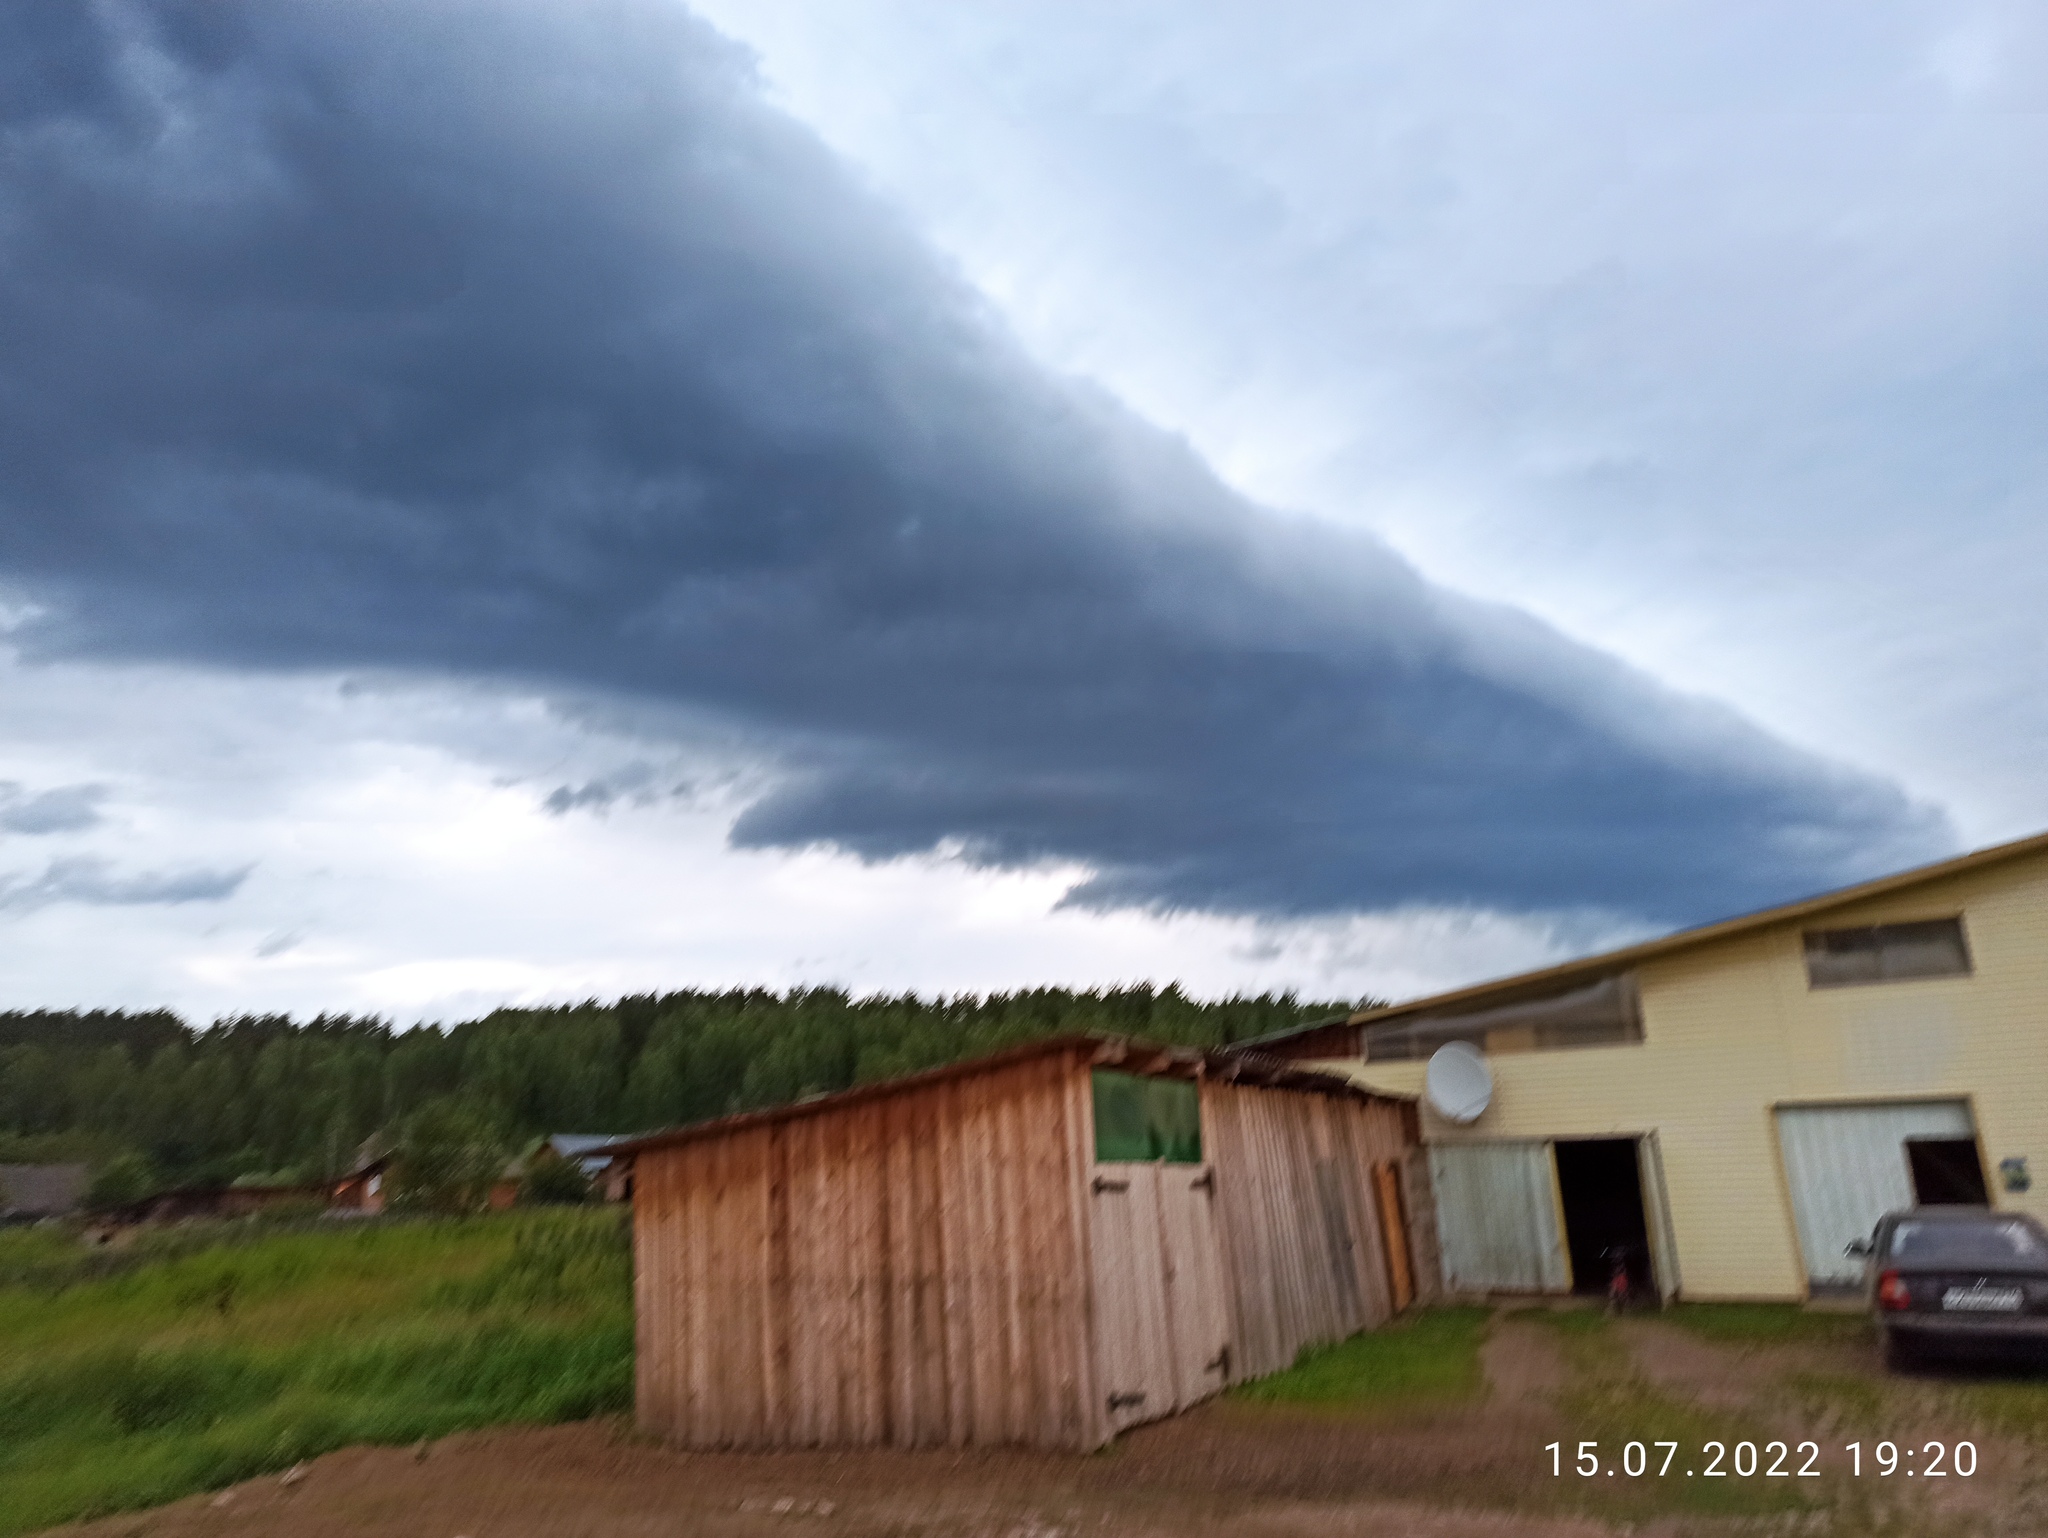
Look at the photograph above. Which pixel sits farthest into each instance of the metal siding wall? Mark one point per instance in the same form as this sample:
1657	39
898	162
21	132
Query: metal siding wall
1496	1213
1657	1216
1846	1167
910	1271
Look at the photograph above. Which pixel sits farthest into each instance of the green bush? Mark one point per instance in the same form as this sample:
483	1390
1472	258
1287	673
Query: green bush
448	1158
127	1178
554	1183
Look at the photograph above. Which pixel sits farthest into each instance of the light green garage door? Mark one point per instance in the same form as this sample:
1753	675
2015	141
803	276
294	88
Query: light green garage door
1847	1167
1497	1217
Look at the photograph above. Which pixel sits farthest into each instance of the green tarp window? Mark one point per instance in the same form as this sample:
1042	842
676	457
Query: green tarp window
1139	1119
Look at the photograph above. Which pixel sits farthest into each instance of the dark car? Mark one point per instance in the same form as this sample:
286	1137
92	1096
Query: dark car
1956	1280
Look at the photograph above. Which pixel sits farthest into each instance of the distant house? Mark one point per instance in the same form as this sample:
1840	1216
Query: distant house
29	1192
361	1191
589	1151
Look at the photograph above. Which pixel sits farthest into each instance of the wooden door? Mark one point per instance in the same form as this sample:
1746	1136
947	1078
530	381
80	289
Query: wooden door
1386	1179
1134	1343
1162	1319
1198	1312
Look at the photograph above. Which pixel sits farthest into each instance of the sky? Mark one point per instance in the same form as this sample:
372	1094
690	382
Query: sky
523	501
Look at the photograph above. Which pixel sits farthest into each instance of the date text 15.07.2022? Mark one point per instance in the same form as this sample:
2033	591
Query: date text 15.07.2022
1767	1460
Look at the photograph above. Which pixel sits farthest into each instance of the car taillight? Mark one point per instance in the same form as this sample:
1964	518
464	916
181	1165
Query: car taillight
1892	1293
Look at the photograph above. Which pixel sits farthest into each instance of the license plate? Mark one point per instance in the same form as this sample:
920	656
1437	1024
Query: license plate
1982	1300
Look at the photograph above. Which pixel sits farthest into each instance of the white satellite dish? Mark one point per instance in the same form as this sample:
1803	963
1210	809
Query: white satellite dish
1459	1083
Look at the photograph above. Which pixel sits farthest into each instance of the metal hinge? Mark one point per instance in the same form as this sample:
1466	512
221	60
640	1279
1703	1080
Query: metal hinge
1104	1183
1220	1362
1206	1182
1125	1401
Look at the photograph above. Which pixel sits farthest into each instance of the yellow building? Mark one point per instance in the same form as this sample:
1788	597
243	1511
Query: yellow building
1727	1107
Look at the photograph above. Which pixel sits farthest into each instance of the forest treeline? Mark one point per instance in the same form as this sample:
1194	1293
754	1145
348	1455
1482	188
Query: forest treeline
288	1100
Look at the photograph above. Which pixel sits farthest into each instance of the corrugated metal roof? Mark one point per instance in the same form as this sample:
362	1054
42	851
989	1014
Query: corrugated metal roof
1126	1053
1590	968
41	1190
570	1144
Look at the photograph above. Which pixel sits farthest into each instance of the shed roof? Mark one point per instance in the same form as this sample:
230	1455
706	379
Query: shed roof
569	1144
1592	968
1122	1052
41	1190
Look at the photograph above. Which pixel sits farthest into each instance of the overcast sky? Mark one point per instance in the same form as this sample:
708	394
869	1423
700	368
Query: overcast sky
522	501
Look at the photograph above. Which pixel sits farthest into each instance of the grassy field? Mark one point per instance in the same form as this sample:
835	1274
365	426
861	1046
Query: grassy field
131	1378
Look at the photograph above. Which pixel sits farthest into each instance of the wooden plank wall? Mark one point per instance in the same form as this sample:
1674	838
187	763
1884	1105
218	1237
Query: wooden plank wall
1425	1248
1297	1216
909	1271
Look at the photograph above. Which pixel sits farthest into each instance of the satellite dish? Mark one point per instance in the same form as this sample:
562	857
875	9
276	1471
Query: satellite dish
1459	1083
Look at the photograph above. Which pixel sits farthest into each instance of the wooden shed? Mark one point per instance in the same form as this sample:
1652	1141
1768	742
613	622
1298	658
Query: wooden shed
1040	1247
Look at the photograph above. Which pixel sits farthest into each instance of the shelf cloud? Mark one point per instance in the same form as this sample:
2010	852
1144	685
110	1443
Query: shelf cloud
522	341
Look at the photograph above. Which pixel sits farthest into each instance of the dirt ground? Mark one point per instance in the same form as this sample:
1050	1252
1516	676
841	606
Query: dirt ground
1476	1471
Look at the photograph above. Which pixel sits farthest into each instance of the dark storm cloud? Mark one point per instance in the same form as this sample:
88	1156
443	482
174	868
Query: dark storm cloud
526	341
94	881
63	809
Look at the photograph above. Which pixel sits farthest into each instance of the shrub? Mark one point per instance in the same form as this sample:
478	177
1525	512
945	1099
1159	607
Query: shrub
121	1180
554	1183
447	1159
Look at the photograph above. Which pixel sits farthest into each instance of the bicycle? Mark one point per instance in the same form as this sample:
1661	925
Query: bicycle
1620	1289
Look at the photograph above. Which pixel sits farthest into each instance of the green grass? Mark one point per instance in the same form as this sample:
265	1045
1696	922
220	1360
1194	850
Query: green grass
1767	1324
1429	1359
1837	1399
2016	1406
211	1362
1616	1412
34	1254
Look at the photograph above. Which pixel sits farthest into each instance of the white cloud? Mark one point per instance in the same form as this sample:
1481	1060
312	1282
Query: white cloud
403	861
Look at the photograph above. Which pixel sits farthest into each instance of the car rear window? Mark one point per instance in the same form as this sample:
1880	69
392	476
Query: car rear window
1994	1242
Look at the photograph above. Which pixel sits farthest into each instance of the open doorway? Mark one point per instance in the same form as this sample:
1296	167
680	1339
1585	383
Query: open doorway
1599	1183
1947	1172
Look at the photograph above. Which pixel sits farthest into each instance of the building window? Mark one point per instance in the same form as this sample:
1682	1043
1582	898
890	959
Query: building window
1886	953
1139	1119
1600	1014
